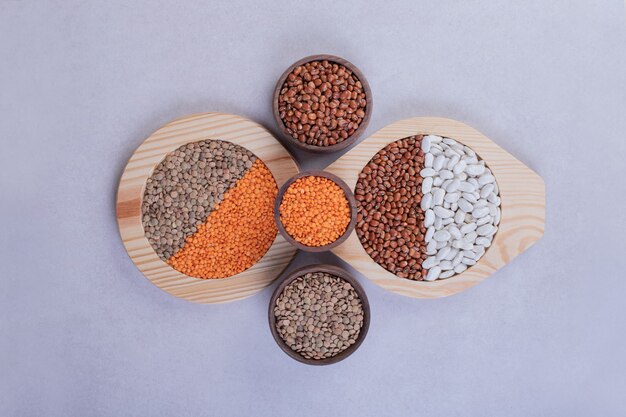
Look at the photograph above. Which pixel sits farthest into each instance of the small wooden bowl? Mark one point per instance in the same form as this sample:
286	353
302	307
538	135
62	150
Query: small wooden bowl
334	270
351	201
287	138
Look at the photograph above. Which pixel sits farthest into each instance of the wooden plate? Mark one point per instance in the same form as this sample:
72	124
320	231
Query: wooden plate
150	153
523	206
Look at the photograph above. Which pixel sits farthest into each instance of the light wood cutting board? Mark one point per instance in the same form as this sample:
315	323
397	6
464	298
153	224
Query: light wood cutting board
523	206
150	153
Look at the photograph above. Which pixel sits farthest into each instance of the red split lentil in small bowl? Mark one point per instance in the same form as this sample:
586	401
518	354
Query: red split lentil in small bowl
315	211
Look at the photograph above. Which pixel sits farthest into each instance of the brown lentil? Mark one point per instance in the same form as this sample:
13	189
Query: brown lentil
389	218
314	211
319	315
237	233
185	187
322	103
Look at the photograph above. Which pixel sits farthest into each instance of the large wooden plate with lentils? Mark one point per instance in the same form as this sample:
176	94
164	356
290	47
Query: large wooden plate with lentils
440	207
195	207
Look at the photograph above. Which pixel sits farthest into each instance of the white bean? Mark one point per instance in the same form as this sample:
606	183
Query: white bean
465	205
442	235
427	184
480	212
438	195
429	218
453	185
429	234
433	274
443	252
466	228
438	163
428	160
446	274
442	212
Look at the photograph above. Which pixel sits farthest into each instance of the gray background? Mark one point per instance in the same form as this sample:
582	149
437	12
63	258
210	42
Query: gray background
82	333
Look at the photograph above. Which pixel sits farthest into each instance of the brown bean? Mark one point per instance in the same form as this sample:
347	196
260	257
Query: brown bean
394	235
311	85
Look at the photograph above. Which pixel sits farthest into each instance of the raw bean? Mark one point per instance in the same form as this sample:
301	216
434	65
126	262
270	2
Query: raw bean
391	208
453	186
442	212
442	236
438	162
433	274
322	103
474	170
430	262
442	253
427	201
459	216
480	212
429	218
468	227
446	274
427	184
319	315
428	163
455	232
438	195
462	195
465	205
430	233
486	230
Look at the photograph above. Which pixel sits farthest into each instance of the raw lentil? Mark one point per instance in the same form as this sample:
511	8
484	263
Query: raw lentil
322	103
237	233
319	315
185	187
314	211
390	222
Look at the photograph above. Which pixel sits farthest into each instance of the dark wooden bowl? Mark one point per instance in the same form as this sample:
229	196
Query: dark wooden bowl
334	270
287	138
351	202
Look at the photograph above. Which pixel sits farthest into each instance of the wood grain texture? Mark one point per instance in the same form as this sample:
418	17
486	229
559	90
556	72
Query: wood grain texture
150	153
523	206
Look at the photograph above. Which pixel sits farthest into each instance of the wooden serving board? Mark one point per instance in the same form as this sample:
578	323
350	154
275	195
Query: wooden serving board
523	206
142	163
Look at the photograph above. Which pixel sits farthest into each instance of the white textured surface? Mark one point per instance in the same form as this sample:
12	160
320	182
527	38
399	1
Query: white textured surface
82	333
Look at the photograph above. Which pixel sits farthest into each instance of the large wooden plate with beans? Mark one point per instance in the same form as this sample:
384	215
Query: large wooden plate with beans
195	207
501	215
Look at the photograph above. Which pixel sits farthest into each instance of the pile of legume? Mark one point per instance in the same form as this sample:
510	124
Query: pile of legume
314	211
319	315
207	209
185	187
237	233
428	207
389	219
461	204
322	103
